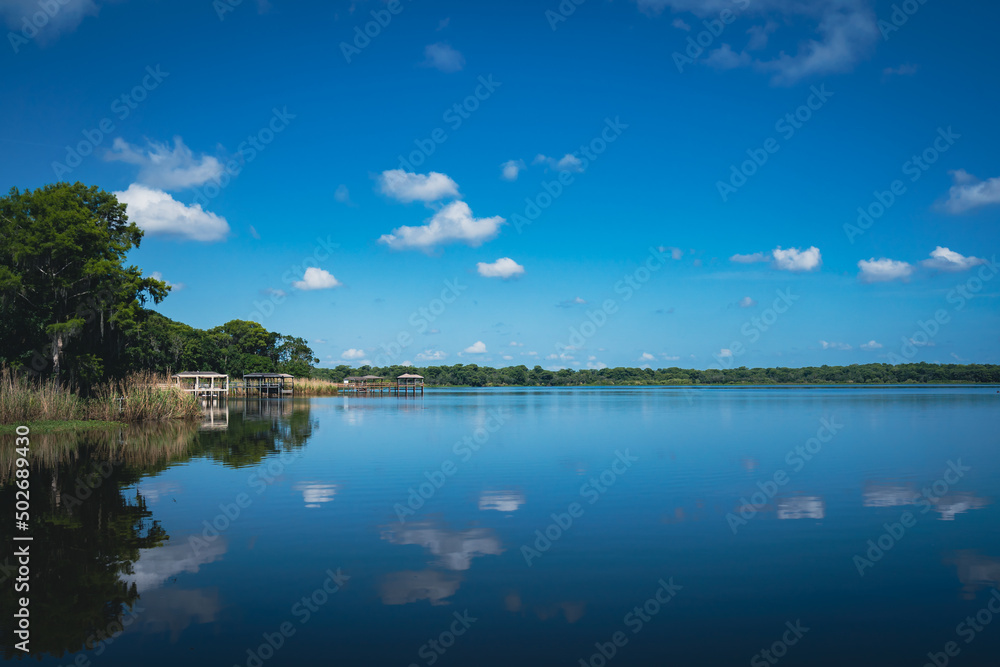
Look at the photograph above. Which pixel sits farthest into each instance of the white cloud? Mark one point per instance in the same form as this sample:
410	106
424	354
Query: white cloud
843	33
834	346
166	168
443	57
749	259
514	343
352	354
667	357
343	195
794	259
504	267
156	275
871	345
569	303
883	270
970	193
479	347
454	222
921	343
943	259
596	365
510	169
725	352
568	162
680	24
271	291
675	253
646	356
316	278
725	58
406	186
159	214
747	302
431	355
66	18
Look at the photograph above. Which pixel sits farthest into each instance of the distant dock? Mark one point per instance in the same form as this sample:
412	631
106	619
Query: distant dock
368	385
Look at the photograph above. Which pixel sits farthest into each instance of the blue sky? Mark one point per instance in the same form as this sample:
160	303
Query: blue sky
661	182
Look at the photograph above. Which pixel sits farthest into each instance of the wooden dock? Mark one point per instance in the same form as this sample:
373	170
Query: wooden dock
373	385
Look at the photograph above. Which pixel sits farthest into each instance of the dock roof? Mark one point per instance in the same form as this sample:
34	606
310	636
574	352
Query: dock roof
199	374
409	375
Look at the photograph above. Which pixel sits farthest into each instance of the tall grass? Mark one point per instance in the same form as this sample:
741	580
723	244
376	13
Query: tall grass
136	398
23	399
316	387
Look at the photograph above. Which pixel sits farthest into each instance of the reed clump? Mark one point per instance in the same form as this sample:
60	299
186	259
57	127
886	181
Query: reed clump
139	397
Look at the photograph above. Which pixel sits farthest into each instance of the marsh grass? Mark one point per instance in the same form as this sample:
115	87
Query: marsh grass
137	398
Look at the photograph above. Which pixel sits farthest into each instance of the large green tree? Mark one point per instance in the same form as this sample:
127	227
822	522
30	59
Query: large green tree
68	302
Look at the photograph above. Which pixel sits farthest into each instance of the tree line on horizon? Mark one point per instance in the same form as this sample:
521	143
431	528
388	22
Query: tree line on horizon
472	375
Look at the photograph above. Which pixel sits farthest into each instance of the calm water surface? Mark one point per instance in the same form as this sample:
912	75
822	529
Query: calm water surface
630	526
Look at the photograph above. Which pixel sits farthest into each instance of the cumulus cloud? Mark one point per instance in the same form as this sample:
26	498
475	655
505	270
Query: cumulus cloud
316	278
159	214
834	346
725	352
166	168
969	193
943	259
504	267
443	57
510	169
871	345
453	223
431	355
353	353
479	347
794	259
883	270
568	162
843	33
407	187
747	302
646	356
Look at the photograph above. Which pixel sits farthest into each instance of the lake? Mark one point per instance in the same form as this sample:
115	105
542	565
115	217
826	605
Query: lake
583	526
